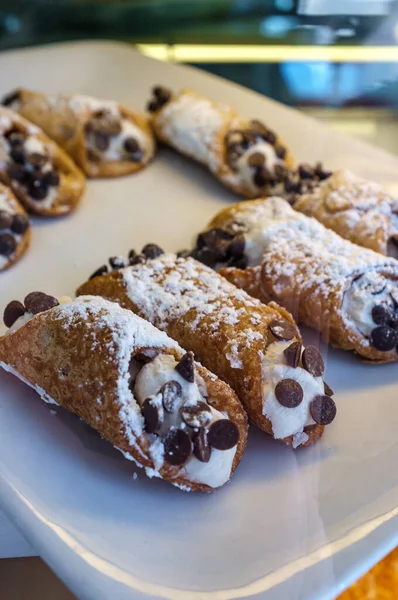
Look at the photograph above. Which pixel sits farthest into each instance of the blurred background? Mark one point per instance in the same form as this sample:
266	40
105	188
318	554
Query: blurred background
334	59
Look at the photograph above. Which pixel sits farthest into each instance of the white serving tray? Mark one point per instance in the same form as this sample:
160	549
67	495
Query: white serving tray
290	525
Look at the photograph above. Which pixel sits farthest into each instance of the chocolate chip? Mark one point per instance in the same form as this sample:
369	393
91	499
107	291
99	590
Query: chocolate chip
37	160
323	409
12	312
280	151
205	256
153	106
37	302
20	223
184	253
186	367
256	159
270	137
135	259
5	219
289	393
8	244
262	176
16	139
171	394
11	98
292	186
327	389
306	171
381	314
110	126
201	446
223	434
17	172
151	415
37	189
152	251
17	155
321	172
293	354
384	338
238	263
101	140
177	447
198	415
131	145
258	126
117	262
283	330
93	155
162	94
281	172
100	271
51	178
237	247
313	361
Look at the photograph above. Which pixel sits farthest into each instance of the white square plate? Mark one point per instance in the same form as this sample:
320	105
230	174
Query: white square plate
290	524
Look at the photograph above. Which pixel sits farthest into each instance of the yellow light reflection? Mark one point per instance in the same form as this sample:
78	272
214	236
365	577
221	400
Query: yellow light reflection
244	53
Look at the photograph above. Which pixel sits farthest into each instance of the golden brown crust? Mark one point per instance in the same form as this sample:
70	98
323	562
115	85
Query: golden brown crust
24	243
254	316
309	305
72	181
231	120
358	210
71	364
66	127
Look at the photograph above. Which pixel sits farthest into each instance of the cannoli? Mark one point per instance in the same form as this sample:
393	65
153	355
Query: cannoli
103	137
348	293
14	229
131	383
245	155
355	208
255	348
44	179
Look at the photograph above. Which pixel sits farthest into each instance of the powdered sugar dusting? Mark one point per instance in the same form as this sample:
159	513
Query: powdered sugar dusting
299	252
164	296
354	205
192	123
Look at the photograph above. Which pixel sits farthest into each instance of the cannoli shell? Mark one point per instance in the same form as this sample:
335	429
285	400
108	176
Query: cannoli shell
73	362
216	155
65	126
24	242
72	181
211	345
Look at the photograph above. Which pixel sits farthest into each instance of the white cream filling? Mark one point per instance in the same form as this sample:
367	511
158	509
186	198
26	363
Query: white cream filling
28	316
4	205
150	379
287	421
33	145
369	290
246	172
116	150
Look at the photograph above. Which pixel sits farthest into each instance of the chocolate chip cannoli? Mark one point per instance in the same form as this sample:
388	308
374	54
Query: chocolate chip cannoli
245	155
355	208
103	137
131	383
43	178
348	293
255	348
14	229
